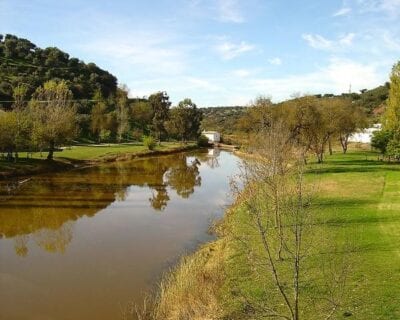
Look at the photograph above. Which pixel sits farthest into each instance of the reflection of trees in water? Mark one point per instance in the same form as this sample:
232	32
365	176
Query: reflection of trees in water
183	177
20	245
159	198
54	240
45	207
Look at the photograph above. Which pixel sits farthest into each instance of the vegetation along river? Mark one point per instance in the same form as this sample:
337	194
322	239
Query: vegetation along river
83	244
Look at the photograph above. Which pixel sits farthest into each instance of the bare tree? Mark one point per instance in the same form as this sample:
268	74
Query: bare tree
281	244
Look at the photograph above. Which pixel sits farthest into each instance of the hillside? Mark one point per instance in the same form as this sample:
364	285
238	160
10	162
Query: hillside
223	119
22	62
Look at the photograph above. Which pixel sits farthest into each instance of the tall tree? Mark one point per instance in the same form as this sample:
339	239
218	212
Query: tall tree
160	104
53	115
122	110
185	120
98	115
392	114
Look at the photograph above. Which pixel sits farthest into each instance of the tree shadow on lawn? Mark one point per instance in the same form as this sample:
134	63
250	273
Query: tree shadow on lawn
356	166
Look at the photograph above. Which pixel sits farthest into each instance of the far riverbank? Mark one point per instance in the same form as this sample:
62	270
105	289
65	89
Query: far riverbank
82	156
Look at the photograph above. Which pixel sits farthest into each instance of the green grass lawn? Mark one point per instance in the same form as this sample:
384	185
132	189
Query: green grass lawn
358	199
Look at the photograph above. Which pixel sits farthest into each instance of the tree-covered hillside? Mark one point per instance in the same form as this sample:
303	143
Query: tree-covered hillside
22	62
222	119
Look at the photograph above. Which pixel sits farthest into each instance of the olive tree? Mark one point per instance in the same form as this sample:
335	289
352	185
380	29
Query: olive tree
53	116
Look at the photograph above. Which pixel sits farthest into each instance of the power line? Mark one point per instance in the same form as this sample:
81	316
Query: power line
46	101
19	64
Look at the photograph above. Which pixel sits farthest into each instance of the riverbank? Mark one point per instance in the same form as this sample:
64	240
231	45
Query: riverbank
84	155
358	201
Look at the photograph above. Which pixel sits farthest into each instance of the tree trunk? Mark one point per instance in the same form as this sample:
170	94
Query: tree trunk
330	146
51	151
344	142
320	157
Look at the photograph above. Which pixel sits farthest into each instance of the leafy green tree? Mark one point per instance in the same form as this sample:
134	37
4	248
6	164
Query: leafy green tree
392	114
23	123
160	104
53	115
122	110
8	129
380	140
141	116
393	148
185	120
98	115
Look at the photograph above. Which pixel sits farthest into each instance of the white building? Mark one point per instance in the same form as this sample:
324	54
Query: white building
213	136
365	135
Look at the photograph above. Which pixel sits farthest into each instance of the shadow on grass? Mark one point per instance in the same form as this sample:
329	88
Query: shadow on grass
357	166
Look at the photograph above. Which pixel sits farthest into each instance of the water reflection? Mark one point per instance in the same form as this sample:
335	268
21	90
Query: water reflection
44	209
99	237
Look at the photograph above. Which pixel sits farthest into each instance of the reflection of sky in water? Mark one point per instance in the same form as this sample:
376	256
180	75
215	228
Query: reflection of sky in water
91	239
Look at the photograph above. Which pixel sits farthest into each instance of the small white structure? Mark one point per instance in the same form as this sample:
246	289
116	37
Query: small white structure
213	136
364	136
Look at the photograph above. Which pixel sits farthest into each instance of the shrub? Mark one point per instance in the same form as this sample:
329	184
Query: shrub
105	135
393	148
380	140
149	142
202	141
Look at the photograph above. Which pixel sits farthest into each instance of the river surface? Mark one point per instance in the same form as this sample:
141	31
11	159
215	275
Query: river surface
85	243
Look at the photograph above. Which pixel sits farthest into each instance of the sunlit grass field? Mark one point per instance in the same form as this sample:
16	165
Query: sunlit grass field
357	198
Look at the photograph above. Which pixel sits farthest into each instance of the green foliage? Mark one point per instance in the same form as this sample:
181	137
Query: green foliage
202	141
222	119
122	110
393	148
159	103
184	121
149	142
371	100
380	140
22	62
53	116
105	135
392	114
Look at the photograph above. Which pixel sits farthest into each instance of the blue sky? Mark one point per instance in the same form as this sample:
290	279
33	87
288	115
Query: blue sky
220	52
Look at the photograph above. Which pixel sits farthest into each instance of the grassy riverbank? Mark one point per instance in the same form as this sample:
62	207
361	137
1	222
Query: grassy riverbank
83	155
358	199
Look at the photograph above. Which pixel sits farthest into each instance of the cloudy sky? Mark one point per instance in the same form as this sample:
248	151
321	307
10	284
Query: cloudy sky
220	52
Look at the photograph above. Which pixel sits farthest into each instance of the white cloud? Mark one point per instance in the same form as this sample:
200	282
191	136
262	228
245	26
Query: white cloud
336	78
275	61
241	73
319	42
342	12
152	52
229	11
390	7
229	50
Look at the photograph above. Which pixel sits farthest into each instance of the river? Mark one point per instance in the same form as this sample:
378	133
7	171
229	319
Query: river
84	244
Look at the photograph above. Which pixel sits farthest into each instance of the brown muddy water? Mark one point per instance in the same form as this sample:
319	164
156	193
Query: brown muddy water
85	243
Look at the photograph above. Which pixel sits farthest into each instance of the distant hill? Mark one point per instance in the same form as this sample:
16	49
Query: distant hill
373	101
225	119
22	62
222	119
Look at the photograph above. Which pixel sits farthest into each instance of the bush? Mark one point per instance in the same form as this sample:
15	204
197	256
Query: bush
149	142
202	141
105	135
380	140
393	148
